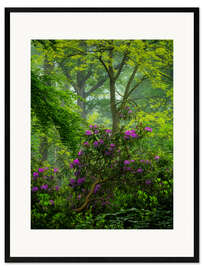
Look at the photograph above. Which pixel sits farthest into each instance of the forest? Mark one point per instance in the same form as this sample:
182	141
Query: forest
101	134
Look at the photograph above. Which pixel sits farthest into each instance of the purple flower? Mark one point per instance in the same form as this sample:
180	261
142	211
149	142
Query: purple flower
128	133
56	170
34	189
126	137
142	160
112	145
96	144
140	170
108	130
44	187
35	174
134	135
90	126
148	129
46	168
97	187
71	166
41	170
128	169
57	188
118	150
101	141
80	180
126	162
80	153
148	182
72	181
88	132
157	157
132	160
76	161
79	196
51	202
130	111
95	126
86	143
96	131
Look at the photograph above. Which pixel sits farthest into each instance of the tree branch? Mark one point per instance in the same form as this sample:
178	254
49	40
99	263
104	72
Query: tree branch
105	66
132	89
121	66
97	85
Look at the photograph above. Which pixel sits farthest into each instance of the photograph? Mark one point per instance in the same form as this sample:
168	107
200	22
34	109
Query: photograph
101	134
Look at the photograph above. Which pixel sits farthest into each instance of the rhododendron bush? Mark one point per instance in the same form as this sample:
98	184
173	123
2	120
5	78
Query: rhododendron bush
111	171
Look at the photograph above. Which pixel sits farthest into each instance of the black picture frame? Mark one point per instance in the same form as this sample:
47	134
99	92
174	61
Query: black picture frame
8	257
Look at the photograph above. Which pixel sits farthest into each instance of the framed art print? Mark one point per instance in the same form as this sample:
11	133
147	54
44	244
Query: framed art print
102	134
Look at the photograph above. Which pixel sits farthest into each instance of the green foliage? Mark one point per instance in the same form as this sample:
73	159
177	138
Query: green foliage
71	88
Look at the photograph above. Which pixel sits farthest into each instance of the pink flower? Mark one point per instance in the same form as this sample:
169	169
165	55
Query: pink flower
112	145
88	132
35	174
128	133
41	170
130	111
157	157
51	202
148	182
56	170
108	130
96	143
44	187
96	131
90	126
57	188
140	170
126	162
76	161
80	180
134	135
86	143
101	141
80	153
34	189
72	181
148	129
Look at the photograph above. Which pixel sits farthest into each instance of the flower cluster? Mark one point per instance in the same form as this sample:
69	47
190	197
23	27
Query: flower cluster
130	134
126	113
45	182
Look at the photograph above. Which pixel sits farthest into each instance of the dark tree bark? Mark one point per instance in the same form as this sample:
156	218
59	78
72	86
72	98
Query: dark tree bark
44	146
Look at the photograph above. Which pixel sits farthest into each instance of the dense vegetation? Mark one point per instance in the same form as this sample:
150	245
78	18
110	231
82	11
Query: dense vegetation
102	134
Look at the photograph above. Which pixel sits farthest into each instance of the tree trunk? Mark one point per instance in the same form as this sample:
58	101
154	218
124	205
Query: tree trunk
81	103
114	112
44	140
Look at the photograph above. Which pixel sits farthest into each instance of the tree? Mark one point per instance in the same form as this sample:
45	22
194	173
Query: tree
124	64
